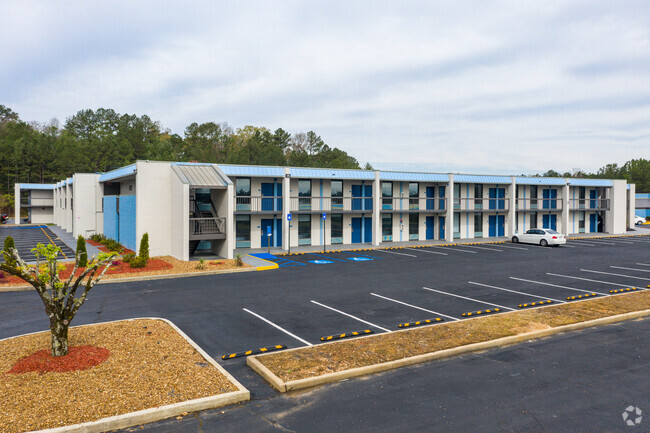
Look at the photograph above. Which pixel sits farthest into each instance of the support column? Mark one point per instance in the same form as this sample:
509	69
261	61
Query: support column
231	237
565	208
376	209
286	207
631	205
17	203
449	219
512	209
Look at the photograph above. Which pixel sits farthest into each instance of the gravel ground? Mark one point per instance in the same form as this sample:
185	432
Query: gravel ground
328	358
149	365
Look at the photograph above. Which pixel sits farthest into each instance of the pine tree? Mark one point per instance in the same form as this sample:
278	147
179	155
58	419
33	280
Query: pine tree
81	252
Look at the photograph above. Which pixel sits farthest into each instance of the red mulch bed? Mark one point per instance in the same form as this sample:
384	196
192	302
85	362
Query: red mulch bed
106	250
78	358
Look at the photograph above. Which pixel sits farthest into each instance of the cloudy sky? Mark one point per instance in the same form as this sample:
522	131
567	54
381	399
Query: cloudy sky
472	86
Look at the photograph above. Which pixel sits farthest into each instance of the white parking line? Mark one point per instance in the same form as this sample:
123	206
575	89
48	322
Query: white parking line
514	248
582	243
514	291
598	241
482	248
616	275
618	241
630	269
278	327
393	252
587	279
643	264
426	251
351	316
558	286
413	306
640	240
454	249
469	299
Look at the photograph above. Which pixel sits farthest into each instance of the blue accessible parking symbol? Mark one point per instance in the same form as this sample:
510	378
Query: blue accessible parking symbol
359	259
320	262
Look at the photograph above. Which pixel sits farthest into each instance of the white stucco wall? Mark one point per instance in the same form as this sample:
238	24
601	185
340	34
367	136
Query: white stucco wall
179	219
154	206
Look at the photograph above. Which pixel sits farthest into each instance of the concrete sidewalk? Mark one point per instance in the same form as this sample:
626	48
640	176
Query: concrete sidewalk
71	241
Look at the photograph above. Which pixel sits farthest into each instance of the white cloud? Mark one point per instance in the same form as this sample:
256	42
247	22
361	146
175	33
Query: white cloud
491	86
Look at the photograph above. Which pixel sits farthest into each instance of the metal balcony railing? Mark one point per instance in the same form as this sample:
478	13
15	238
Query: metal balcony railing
593	204
534	204
258	204
413	204
207	226
331	204
481	204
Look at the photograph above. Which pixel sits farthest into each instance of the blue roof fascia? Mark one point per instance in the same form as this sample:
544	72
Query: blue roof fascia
251	170
118	173
466	178
590	182
37	185
540	181
333	173
411	176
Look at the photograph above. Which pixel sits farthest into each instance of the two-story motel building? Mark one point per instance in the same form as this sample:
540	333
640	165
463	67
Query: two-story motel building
188	207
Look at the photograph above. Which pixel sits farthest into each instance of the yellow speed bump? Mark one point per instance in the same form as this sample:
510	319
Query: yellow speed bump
588	295
481	312
346	335
629	289
420	322
535	304
254	351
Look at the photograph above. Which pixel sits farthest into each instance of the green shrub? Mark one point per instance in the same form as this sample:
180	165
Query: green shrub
81	252
137	262
144	247
97	237
201	265
9	243
128	258
113	245
238	260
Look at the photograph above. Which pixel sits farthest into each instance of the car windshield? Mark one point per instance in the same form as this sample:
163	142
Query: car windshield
553	232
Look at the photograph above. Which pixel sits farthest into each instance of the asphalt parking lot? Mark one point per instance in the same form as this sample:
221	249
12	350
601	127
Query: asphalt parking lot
322	294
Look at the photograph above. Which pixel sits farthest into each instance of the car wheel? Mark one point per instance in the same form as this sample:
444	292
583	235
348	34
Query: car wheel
543	243
515	240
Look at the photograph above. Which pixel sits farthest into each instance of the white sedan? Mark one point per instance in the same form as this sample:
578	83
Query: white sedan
639	220
543	237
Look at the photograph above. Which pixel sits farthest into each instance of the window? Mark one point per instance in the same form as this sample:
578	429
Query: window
457	196
337	194
414	192
414	226
478	196
441	194
533	220
304	194
243	186
387	194
336	221
581	196
243	231
581	222
533	197
304	229
387	226
456	225
478	225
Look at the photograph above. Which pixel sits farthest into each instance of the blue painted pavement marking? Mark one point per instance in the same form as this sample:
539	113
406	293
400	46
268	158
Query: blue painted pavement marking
359	259
320	262
327	257
361	255
282	262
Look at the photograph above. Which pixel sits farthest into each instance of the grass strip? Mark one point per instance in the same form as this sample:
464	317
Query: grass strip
334	357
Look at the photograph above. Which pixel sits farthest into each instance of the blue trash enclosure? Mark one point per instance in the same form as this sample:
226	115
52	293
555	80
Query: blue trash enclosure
119	219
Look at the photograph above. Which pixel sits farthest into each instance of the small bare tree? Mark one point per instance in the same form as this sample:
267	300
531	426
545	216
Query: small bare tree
57	295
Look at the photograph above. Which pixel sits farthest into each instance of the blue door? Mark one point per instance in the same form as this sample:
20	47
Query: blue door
267	191
441	195
498	196
126	215
593	223
111	220
592	202
278	233
367	229
549	197
496	225
549	221
367	202
429	224
356	230
442	226
264	240
356	202
431	193
278	193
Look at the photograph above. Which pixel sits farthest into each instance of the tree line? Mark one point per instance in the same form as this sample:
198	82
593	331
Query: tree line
635	171
100	140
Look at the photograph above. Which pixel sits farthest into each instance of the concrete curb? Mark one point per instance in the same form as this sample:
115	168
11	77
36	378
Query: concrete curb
157	413
272	265
281	386
153	277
